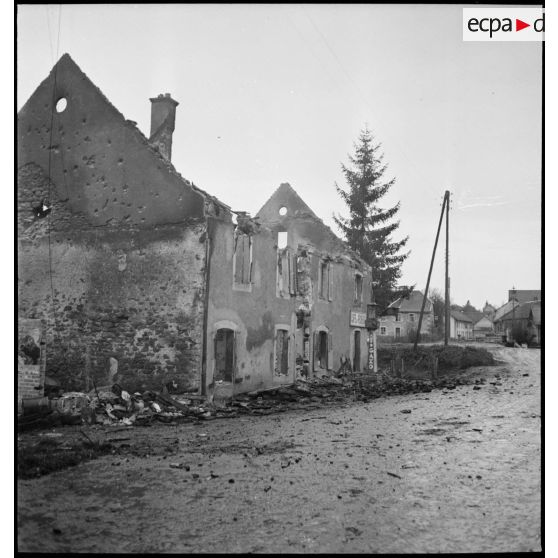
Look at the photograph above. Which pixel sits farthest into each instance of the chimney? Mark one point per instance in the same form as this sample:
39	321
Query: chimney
163	112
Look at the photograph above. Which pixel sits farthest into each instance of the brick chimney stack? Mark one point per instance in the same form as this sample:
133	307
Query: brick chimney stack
163	112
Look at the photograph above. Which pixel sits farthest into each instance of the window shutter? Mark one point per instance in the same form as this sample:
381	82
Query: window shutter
292	274
238	259
329	351
250	259
277	349
233	374
295	274
329	281
316	347
246	264
281	272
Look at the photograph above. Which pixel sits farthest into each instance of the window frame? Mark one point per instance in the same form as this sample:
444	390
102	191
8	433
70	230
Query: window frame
324	263
359	281
243	286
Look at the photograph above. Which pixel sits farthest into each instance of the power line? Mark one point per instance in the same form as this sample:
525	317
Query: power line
359	93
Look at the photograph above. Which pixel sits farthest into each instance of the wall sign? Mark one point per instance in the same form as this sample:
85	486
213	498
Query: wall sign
358	319
371	353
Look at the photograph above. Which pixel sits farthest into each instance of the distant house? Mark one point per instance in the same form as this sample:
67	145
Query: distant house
461	325
524	296
502	311
483	327
470	311
525	321
482	324
401	317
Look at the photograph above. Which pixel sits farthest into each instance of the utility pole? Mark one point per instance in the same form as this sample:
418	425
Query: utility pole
513	293
447	324
444	204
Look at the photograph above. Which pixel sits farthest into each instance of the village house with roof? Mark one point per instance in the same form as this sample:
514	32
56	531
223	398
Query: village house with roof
123	261
481	322
523	321
504	317
461	326
399	321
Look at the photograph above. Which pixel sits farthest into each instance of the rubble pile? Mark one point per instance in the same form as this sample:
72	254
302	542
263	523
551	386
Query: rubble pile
112	405
319	391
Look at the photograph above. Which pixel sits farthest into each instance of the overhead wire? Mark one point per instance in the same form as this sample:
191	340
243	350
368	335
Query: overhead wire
365	102
360	94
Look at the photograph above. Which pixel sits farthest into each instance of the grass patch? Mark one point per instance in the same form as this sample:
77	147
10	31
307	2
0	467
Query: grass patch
48	455
450	358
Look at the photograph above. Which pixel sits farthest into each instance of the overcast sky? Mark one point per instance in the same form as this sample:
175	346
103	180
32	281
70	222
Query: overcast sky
272	94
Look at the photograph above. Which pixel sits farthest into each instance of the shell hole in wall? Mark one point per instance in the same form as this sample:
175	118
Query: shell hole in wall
61	104
282	210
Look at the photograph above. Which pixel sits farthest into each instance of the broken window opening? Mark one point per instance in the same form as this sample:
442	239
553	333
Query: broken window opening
282	239
282	211
358	287
243	259
42	210
287	280
224	355
282	352
324	291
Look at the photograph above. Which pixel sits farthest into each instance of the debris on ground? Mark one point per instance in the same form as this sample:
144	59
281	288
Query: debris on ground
111	406
114	406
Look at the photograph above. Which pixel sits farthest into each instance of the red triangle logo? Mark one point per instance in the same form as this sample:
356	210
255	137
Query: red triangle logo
519	25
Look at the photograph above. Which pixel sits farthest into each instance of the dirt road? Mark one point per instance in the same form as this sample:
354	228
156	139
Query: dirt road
460	472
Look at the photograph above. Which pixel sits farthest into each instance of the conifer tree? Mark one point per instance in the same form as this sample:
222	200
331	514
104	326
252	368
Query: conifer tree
368	228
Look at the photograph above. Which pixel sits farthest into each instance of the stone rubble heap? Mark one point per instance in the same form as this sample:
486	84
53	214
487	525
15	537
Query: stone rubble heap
111	405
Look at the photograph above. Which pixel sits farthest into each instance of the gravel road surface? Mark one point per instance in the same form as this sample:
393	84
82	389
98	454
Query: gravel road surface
447	471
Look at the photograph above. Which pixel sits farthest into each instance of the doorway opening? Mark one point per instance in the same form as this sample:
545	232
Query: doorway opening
282	352
322	349
224	355
356	352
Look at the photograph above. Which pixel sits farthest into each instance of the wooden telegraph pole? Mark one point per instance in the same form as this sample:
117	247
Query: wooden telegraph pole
447	320
445	206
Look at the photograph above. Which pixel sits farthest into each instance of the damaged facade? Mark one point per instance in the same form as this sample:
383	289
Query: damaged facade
136	272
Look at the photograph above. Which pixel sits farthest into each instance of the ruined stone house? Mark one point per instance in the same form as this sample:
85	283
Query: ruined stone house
125	261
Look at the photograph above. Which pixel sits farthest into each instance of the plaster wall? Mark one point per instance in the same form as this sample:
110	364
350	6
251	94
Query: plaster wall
332	313
253	314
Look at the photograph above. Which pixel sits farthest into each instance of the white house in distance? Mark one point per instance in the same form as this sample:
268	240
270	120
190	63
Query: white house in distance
401	318
461	325
483	328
